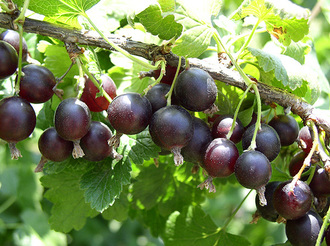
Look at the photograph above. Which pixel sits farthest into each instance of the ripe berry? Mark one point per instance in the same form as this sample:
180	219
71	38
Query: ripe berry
72	121
222	126
172	128
17	121
305	140
169	75
320	184
253	171
12	37
195	89
129	113
220	158
89	96
292	201
194	151
52	147
286	127
156	96
267	141
95	143
305	230
8	61
268	212
37	84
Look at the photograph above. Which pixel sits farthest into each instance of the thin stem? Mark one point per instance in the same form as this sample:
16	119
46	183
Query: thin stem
119	49
81	75
247	42
95	82
169	94
324	224
253	144
236	210
236	112
7	203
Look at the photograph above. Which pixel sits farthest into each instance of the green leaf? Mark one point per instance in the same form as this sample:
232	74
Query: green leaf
45	116
119	210
165	27
193	41
298	51
167	5
288	72
193	227
69	210
285	20
104	183
61	7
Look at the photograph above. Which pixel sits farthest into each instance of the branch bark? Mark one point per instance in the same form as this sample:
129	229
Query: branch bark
152	51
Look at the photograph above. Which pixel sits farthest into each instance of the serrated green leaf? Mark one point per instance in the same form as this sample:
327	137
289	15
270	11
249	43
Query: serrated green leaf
285	20
155	222
104	183
193	41
287	71
165	27
69	210
298	51
61	7
45	116
119	210
193	227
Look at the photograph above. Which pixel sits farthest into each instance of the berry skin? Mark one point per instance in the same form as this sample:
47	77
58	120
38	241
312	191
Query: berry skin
156	96
267	141
129	113
94	103
296	163
286	127
320	184
53	147
12	37
252	169
17	121
95	143
194	151
220	158
195	89
172	128
72	121
8	61
169	75
304	231
222	126
268	212
292	201
305	139
37	83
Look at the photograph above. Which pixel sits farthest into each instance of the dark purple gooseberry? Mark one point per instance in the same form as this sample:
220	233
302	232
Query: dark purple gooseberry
8	61
253	169
292	201
305	139
195	89
172	128
286	127
169	75
194	151
305	230
95	143
17	121
12	37
220	158
52	147
37	84
268	212
72	121
156	96
267	140
222	126
320	184
129	113
296	163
